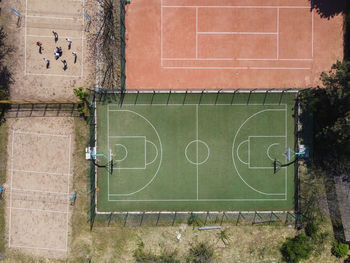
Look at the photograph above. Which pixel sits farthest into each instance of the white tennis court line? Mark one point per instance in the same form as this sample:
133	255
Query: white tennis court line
312	32
236	33
161	32
41	134
243	68
233	59
11	183
240	33
197	33
278	31
197	165
56	17
257	7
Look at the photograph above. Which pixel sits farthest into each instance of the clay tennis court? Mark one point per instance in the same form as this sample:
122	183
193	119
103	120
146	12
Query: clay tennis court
241	44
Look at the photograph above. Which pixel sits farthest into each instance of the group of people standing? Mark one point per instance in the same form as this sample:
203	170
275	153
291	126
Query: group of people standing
57	52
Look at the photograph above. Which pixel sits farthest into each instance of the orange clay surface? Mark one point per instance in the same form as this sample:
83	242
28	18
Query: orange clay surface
228	44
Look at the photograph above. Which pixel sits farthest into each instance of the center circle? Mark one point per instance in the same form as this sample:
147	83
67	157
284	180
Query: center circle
121	152
197	152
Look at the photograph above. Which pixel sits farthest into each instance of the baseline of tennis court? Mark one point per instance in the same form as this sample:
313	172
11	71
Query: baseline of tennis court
195	152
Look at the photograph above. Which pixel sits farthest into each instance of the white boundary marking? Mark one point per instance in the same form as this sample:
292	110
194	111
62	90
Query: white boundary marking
11	182
39	172
130	168
257	7
286	141
243	59
234	142
236	33
197	161
40	210
161	32
194	200
156	152
55	17
196	32
41	248
126	152
312	33
38	191
237	150
78	38
25	39
197	147
59	18
255	68
278	31
268	151
160	143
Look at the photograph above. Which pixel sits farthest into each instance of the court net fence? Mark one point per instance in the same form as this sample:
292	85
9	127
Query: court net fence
200	219
183	97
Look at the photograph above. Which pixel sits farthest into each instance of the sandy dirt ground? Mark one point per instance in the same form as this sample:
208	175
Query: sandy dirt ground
39	19
39	174
39	185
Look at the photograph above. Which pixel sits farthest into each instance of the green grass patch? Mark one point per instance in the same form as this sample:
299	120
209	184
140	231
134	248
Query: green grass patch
3	166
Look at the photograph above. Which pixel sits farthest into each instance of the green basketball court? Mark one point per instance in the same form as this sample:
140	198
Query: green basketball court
195	152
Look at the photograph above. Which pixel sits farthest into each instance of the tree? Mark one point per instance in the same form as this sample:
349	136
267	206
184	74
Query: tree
330	106
297	248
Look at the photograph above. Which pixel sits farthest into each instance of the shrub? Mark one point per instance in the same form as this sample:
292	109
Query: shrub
296	249
340	250
311	229
200	253
166	256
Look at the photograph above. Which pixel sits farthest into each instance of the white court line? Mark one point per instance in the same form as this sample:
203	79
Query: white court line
39	191
82	41
11	181
197	146
286	140
161	33
312	33
237	151
197	33
39	210
68	186
25	40
42	248
54	75
230	68
262	7
41	134
237	33
55	17
204	104
195	200
278	31
109	157
233	59
78	38
161	152
39	172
